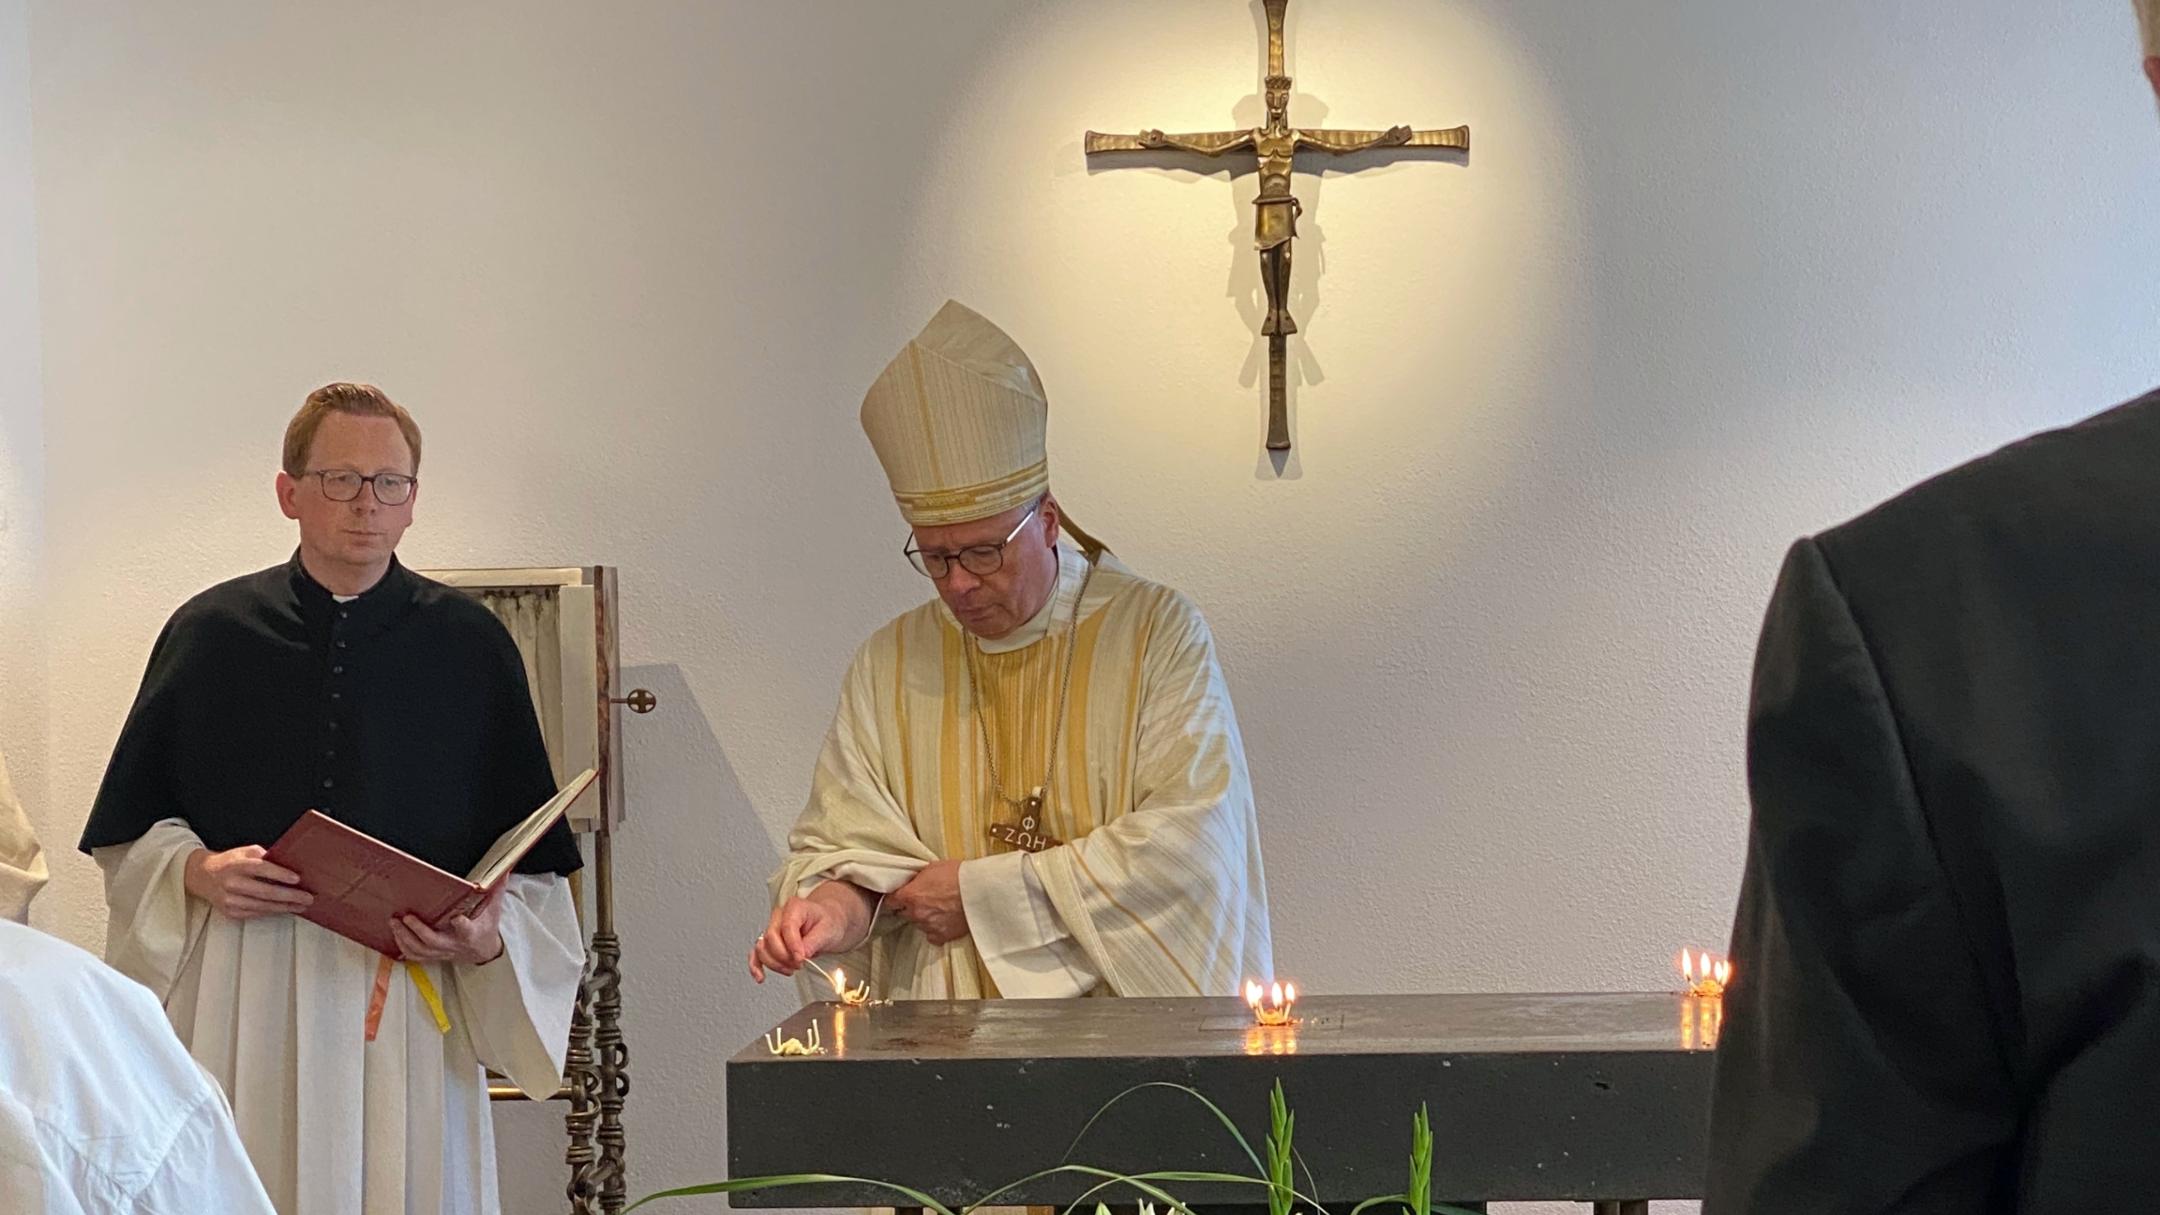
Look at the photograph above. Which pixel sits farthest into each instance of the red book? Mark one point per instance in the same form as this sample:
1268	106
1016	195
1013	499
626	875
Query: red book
360	883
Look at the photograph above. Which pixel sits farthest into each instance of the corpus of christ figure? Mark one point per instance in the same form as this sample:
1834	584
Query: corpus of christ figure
1275	144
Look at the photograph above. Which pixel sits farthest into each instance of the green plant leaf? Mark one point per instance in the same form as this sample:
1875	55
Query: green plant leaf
1135	1180
1419	1193
1243	1144
1111	1179
784	1180
1282	1131
1236	1179
1280	1179
1308	1171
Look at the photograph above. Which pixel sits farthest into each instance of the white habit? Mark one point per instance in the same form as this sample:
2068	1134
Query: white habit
275	1008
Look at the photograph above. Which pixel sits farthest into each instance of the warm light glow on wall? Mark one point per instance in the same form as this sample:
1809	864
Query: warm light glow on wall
1424	289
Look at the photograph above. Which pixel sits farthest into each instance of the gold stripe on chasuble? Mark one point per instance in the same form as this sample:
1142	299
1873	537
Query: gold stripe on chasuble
956	747
900	723
1020	689
1079	807
952	802
1135	680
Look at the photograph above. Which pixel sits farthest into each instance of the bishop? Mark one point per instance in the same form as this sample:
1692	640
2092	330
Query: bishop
1034	784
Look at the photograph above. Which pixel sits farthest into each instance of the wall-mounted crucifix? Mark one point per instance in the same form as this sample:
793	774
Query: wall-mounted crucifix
1275	145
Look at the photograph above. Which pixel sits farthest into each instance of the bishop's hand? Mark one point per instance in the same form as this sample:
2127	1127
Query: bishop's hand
836	913
239	884
931	901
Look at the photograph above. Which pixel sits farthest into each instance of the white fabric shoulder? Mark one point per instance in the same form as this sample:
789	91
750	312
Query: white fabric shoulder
117	1114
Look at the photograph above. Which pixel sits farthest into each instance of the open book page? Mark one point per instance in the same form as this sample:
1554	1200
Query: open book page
511	846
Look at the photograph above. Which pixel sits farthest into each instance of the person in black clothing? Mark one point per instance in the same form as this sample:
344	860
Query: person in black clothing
1946	979
341	681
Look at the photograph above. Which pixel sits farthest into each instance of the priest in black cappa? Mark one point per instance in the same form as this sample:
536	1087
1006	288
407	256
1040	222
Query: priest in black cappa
341	681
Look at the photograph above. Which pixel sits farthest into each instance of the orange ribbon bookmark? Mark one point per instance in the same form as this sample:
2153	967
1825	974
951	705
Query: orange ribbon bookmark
383	967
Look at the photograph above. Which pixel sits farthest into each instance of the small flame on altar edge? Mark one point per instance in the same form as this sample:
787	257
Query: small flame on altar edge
1272	1005
1704	974
858	997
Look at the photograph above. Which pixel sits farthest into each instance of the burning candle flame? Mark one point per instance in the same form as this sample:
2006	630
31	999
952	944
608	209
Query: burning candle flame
855	997
1702	975
1273	1006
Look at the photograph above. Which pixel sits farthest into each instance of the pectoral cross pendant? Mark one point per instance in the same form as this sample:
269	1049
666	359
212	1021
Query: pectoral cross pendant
1027	835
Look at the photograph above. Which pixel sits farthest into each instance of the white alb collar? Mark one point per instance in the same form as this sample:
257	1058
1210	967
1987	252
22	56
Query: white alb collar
1063	602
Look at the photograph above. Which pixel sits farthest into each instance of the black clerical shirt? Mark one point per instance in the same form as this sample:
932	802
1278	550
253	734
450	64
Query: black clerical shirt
404	712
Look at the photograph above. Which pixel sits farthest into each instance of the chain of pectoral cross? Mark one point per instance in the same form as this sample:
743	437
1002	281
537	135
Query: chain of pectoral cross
1028	834
1275	145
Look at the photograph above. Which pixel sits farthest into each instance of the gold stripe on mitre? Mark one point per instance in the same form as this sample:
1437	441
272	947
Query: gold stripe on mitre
937	507
958	419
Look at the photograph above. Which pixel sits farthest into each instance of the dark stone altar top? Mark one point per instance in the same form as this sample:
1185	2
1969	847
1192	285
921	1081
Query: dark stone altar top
1532	1097
926	1030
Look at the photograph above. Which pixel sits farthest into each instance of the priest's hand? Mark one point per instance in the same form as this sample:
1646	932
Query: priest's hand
241	885
931	900
475	939
833	914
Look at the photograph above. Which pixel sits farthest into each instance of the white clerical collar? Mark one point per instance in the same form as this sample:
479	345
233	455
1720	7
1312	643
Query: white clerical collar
1063	602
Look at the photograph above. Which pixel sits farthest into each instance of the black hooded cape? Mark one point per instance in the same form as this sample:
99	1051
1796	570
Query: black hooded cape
404	712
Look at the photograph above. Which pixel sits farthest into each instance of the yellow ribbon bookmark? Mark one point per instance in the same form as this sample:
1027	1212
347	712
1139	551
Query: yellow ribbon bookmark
427	991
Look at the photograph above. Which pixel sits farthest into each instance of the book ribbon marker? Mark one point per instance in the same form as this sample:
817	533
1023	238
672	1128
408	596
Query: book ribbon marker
421	983
381	993
427	991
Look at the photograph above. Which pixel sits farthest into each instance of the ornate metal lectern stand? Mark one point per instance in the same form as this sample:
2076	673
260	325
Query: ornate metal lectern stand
564	621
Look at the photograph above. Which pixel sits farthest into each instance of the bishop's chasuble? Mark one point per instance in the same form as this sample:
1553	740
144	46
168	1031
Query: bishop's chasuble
1157	889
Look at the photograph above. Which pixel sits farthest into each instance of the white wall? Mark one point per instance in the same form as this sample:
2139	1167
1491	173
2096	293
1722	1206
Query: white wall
23	735
1714	274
